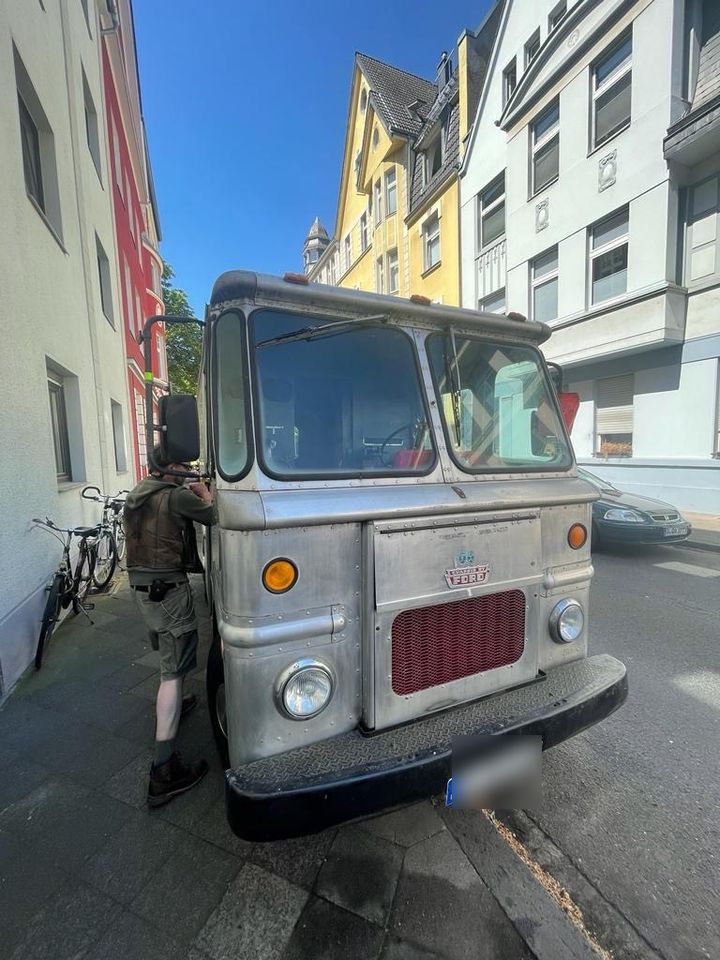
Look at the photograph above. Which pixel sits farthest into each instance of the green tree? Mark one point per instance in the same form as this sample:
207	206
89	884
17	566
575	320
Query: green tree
184	340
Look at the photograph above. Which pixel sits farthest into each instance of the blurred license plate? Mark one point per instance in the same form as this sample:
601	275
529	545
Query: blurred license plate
674	531
496	772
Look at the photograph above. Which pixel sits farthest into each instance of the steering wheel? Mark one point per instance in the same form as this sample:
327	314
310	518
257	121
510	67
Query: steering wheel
389	438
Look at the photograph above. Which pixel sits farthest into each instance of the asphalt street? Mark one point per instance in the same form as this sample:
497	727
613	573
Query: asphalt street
633	803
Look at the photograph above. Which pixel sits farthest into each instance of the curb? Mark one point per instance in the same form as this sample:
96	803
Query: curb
702	545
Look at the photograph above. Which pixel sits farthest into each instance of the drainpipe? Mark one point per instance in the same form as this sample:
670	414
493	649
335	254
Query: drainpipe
114	17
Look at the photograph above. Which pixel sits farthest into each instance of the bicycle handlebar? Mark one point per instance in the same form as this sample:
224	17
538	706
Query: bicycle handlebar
91	487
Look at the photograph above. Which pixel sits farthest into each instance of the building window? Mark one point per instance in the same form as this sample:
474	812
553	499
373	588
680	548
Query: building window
556	15
493	303
363	100
155	274
378	202
544	284
117	171
609	257
363	233
393	272
139	312
37	144
391	191
358	163
702	259
614	416
431	241
348	252
491	212
379	275
104	278
91	125
58	421
375	138
433	159
611	92
509	81
85	8
116	416
532	47
545	142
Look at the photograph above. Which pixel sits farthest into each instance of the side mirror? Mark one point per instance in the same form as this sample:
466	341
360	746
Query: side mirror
180	437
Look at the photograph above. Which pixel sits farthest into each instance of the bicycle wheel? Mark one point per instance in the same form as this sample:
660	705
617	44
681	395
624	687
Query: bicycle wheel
105	560
83	574
50	617
120	541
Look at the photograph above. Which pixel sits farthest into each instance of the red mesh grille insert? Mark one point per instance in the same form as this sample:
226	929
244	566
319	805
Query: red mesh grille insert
433	645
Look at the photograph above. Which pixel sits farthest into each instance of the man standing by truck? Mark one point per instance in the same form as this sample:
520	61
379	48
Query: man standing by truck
159	517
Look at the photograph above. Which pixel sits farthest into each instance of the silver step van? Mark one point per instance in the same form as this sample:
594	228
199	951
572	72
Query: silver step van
402	553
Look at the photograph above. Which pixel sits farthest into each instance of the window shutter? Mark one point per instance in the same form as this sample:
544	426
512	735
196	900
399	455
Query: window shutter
614	405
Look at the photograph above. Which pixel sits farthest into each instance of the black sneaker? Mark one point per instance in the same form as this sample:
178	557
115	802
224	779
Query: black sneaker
188	705
173	778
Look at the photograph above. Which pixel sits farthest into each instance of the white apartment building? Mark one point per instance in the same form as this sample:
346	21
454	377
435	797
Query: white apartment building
590	199
63	385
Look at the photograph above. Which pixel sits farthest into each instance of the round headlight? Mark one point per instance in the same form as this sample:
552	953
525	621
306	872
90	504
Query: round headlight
567	621
307	690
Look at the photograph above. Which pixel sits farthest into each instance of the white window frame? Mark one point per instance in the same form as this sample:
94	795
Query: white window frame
483	211
538	145
509	80
59	426
377	188
393	269
390	191
118	429
593	254
364	238
379	276
625	414
104	281
347	247
530	50
599	90
431	235
483	302
92	130
556	15
552	276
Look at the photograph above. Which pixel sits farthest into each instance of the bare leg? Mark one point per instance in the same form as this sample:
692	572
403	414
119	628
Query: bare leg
167	710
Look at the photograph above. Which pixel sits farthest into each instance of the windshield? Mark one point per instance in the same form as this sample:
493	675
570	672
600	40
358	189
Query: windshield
497	407
347	402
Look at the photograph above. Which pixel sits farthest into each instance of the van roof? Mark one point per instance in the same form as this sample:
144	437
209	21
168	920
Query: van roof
267	290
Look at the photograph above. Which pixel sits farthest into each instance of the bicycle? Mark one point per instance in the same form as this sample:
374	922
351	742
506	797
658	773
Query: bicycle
68	586
111	542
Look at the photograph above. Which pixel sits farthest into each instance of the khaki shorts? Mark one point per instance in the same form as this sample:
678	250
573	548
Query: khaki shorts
172	621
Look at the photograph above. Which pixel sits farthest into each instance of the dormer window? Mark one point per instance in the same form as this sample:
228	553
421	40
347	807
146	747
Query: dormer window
509	80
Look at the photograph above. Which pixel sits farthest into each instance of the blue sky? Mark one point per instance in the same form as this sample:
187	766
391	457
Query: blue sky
245	104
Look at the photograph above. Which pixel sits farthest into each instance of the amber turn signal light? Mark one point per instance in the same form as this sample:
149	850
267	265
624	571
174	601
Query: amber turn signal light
577	535
279	575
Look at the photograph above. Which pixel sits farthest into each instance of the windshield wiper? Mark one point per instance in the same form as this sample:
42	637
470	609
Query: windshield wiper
310	333
452	372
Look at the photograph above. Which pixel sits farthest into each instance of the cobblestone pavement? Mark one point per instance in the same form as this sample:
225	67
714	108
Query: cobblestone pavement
86	871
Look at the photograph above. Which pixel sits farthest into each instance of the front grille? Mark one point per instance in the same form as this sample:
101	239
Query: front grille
665	516
434	645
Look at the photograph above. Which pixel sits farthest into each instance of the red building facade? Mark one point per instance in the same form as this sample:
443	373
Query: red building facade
137	226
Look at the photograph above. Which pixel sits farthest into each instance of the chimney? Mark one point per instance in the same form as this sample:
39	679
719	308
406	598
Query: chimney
444	70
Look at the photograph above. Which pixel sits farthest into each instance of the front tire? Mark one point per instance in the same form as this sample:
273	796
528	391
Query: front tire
105	560
215	675
50	617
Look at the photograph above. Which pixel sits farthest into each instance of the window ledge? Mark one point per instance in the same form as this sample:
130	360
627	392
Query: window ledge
605	143
537	193
65	486
432	269
44	217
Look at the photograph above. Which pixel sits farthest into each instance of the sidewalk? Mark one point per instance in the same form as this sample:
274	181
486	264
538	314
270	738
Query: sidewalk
706	531
86	871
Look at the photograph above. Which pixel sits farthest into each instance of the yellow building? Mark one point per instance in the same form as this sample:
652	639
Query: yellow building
397	227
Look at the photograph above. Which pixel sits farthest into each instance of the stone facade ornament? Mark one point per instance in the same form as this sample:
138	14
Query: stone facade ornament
573	38
607	171
542	215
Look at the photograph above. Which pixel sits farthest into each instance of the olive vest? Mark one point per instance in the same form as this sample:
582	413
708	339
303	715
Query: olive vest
156	538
